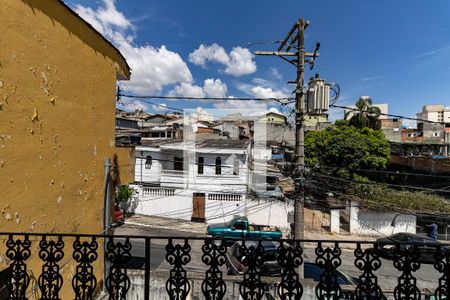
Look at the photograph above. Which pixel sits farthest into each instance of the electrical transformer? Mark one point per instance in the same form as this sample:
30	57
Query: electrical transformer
318	96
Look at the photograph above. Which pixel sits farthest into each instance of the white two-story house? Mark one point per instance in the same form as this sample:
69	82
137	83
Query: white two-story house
192	180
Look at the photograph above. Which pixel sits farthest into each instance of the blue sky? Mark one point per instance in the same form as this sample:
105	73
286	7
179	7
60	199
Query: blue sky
398	52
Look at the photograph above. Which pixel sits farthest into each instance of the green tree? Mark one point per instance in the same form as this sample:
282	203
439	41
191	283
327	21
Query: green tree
344	149
124	193
366	115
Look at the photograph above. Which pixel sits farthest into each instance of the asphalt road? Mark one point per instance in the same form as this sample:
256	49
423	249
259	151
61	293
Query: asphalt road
427	277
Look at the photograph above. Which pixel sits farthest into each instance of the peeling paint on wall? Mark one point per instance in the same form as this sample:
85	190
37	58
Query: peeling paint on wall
8	216
33	226
35	115
33	71
16	214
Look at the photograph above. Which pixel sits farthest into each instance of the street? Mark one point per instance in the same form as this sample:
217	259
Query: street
427	277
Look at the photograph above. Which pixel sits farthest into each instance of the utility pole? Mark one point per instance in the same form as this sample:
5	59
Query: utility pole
106	215
296	40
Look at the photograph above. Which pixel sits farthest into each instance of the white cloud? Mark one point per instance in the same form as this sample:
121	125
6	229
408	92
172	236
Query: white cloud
433	52
237	63
276	74
160	107
241	62
213	88
89	16
261	91
106	19
262	82
241	104
110	15
371	78
213	53
152	68
188	90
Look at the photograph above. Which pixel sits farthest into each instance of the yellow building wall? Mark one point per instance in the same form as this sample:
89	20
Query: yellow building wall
125	165
57	124
273	118
313	120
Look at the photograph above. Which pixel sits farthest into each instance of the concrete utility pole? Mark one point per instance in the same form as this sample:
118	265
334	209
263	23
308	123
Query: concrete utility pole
106	214
297	41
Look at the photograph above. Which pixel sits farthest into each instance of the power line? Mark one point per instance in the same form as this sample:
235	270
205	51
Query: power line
382	184
159	42
402	173
277	99
157	104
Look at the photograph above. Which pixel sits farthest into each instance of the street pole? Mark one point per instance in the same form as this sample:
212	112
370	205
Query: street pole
299	218
106	216
296	38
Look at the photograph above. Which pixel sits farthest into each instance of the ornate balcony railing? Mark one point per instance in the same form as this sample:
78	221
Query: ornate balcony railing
210	259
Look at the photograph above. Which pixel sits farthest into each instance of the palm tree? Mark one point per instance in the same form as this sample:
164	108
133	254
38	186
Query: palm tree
365	114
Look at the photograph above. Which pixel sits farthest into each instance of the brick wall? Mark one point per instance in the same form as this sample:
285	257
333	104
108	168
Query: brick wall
424	164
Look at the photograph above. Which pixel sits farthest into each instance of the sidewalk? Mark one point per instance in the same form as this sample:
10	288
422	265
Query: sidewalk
166	223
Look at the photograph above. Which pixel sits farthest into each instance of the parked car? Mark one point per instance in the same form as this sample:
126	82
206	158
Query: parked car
239	228
426	247
269	264
270	267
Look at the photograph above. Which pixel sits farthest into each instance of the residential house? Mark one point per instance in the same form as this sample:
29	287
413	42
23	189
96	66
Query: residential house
418	148
161	132
438	113
273	118
229	129
201	180
392	128
432	131
162	126
411	135
435	113
57	89
316	121
126	123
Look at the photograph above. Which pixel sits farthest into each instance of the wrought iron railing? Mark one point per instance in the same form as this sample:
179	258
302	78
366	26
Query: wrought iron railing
86	252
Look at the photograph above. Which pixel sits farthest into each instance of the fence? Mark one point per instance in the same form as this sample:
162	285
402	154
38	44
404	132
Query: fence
261	267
